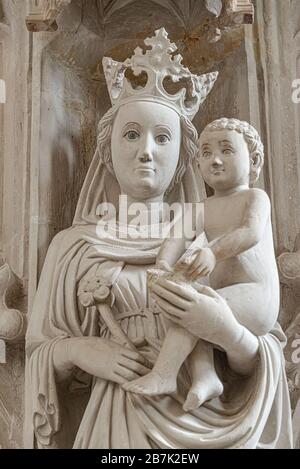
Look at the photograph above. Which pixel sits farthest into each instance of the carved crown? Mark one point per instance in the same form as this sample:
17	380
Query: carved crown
159	63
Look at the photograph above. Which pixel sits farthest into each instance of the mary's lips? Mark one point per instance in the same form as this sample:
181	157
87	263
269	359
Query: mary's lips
145	168
219	170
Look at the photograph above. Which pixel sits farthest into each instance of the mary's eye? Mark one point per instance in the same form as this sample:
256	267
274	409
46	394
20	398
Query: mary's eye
162	139
132	135
206	154
227	152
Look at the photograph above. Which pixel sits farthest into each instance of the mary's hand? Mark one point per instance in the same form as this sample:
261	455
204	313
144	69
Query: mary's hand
105	359
201	311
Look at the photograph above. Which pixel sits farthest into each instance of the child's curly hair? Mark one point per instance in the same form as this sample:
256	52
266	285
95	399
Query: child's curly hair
251	136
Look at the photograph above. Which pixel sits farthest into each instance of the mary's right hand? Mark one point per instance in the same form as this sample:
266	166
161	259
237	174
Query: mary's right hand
106	359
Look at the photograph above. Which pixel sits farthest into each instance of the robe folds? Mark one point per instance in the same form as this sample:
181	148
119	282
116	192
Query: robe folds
88	412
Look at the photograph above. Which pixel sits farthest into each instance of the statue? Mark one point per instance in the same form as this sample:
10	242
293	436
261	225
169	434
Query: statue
95	328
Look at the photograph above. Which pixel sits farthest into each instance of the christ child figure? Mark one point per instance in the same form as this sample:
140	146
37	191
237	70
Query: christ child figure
239	260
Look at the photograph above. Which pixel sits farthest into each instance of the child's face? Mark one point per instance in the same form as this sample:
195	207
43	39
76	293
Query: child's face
224	159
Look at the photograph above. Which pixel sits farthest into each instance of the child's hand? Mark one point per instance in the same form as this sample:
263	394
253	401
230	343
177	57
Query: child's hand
202	265
163	265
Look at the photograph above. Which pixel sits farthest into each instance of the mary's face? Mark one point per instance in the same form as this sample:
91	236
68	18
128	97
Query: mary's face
145	148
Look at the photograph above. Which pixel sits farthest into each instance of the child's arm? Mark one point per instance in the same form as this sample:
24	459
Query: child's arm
182	231
251	230
232	244
170	251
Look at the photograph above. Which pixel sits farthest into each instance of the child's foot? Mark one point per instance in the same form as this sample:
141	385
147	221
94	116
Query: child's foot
208	388
151	385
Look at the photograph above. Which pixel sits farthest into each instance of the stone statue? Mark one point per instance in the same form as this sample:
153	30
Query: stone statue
95	327
240	260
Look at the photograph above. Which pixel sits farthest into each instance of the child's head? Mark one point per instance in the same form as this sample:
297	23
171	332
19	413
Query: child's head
231	154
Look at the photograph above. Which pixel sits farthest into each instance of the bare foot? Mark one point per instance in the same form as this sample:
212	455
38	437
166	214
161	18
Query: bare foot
151	385
208	388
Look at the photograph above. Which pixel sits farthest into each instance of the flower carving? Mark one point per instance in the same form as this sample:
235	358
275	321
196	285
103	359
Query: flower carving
94	291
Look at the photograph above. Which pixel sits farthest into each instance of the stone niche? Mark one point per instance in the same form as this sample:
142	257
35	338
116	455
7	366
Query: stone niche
56	95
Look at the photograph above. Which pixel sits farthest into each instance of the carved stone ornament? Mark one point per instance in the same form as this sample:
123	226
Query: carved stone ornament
228	14
241	11
289	268
292	354
43	13
11	320
289	265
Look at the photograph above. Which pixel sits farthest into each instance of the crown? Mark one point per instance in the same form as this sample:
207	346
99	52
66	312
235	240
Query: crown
159	63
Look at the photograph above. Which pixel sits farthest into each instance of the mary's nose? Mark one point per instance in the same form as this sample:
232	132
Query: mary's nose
145	157
146	152
217	161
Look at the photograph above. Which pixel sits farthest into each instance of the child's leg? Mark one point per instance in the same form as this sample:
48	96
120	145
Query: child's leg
254	309
254	305
177	345
206	384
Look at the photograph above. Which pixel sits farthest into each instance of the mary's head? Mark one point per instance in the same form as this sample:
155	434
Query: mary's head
147	146
146	142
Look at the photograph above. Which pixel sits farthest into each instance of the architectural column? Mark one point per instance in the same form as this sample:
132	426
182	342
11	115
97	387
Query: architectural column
15	124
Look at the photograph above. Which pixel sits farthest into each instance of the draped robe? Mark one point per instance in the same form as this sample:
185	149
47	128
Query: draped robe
253	412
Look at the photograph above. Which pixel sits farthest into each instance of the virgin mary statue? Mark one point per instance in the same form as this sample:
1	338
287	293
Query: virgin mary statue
76	367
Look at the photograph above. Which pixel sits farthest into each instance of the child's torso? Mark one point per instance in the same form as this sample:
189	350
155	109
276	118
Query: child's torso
223	215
